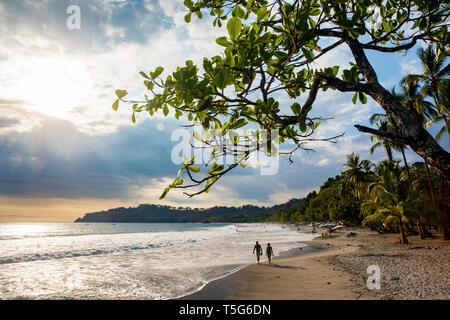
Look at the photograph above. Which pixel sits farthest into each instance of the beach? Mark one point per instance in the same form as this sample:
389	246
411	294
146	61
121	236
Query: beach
127	261
335	268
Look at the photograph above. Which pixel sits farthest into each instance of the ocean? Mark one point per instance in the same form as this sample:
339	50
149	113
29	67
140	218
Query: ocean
128	260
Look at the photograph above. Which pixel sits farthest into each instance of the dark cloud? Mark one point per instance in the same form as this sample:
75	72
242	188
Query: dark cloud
8	122
103	23
54	159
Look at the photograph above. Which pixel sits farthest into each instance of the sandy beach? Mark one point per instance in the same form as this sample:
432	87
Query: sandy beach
336	269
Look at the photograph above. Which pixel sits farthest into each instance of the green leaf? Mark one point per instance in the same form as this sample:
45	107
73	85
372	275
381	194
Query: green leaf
115	105
189	4
345	24
133	118
224	128
187	17
166	190
166	110
142	73
194	168
121	93
249	5
234	137
362	98
223	41
355	96
387	26
296	108
197	136
207	186
157	72
238	12
335	71
239	123
234	27
177	182
314	12
149	84
221	78
261	14
309	55
317	123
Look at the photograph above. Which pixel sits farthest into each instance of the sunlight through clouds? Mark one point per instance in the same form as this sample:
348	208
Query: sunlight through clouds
61	138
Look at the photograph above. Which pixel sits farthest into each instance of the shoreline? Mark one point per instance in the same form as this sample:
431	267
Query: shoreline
228	286
415	271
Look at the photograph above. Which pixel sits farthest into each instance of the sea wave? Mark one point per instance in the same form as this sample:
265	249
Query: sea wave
70	246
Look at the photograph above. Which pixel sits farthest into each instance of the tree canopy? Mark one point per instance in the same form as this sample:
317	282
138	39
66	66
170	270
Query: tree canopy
269	51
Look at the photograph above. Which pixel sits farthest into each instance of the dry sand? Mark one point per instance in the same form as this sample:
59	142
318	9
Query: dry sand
415	271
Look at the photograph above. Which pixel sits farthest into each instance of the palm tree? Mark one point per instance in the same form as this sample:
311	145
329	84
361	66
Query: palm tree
354	165
384	124
412	96
367	167
434	77
443	103
390	194
354	177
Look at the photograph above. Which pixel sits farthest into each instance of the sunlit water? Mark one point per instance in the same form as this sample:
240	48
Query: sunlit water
127	260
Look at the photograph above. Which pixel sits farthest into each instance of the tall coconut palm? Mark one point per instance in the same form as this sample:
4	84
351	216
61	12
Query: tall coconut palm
413	98
367	167
443	105
355	170
390	194
354	177
383	125
388	145
435	77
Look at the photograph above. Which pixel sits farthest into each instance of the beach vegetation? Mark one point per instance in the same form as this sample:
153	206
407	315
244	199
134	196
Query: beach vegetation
268	54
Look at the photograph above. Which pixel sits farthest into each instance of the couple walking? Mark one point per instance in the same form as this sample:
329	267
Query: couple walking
259	251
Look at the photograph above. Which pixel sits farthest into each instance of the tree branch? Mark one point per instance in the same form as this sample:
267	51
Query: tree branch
379	133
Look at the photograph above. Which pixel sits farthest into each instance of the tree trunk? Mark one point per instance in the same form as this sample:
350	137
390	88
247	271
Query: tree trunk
446	232
444	224
421	229
388	151
430	183
406	165
406	129
403	239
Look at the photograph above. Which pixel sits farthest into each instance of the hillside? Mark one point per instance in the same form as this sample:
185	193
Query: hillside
161	213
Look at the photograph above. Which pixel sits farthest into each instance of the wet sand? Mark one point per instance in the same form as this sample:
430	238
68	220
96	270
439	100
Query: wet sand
336	269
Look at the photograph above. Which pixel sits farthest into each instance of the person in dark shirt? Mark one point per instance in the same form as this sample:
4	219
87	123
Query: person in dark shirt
269	253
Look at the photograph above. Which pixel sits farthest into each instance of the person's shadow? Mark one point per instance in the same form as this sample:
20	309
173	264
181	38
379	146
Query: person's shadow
274	265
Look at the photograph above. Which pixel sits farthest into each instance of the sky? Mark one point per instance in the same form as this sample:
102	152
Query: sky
64	151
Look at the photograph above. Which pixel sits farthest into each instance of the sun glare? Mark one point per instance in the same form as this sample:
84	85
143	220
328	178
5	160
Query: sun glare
20	230
54	86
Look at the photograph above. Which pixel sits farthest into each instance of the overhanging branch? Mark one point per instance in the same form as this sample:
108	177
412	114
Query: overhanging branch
379	133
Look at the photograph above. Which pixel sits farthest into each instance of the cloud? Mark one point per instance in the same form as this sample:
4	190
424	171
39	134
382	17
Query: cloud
104	24
7	122
60	138
56	159
72	74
